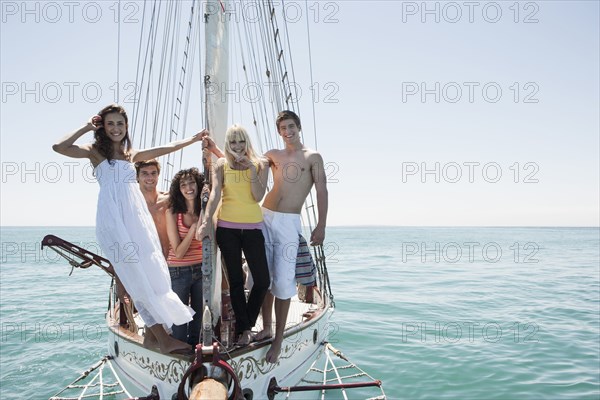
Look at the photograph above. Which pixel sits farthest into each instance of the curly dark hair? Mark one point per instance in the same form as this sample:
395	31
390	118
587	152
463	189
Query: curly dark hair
103	143
176	200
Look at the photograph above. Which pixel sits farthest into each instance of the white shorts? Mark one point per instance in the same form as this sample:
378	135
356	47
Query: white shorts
281	232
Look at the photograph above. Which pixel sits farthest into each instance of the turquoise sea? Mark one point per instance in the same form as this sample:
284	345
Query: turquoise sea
435	313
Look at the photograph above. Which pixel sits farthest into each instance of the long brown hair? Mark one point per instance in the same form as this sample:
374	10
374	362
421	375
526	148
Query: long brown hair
103	144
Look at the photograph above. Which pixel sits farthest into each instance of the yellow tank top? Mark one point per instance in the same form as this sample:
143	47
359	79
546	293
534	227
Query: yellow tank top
238	203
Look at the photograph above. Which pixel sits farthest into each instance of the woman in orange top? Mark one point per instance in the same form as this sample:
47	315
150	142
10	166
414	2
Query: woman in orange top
185	253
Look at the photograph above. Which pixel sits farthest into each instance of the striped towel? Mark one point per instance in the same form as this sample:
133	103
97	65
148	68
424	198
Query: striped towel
306	271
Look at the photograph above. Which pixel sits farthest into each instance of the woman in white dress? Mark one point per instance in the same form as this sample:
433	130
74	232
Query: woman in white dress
124	227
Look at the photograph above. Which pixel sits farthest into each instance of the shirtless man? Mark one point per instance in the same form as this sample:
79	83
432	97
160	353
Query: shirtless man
295	170
158	202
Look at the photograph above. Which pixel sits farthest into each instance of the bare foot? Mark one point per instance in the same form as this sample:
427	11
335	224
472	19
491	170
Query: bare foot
173	345
273	353
266	333
245	338
150	341
167	344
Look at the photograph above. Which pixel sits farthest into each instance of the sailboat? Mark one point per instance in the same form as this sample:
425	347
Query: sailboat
308	366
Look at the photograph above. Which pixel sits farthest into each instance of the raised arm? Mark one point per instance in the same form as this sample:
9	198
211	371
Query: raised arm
155	152
209	147
320	179
213	200
209	144
67	147
180	247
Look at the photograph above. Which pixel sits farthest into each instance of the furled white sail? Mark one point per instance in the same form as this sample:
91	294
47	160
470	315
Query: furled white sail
217	68
215	79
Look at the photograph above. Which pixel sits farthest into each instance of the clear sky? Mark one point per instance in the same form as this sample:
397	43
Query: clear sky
427	113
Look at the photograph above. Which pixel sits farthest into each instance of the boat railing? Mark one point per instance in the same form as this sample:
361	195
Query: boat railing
78	257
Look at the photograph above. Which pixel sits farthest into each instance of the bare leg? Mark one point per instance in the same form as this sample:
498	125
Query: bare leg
281	311
267	318
310	297
166	343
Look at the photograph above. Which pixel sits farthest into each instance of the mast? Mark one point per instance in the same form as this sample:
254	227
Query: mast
216	107
217	67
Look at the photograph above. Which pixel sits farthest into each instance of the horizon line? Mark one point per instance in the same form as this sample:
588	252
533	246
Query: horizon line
356	226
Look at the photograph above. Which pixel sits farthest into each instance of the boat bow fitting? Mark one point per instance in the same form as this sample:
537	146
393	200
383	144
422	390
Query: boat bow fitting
197	372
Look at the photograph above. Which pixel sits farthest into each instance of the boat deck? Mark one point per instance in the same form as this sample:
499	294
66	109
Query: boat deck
300	312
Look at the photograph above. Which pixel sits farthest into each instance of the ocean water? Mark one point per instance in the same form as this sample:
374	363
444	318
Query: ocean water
435	313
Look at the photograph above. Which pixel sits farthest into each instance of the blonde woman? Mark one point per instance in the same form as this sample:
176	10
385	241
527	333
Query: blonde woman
240	180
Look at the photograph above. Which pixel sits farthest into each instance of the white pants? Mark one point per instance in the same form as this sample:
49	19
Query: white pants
281	232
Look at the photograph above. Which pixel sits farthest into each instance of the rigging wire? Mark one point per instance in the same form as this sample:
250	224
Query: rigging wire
164	111
293	73
274	65
256	75
312	82
137	74
189	65
152	34
118	97
158	125
239	43
275	89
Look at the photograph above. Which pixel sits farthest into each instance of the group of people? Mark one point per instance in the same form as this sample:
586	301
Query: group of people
153	239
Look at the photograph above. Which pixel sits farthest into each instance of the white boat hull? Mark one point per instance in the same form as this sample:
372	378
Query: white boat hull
140	368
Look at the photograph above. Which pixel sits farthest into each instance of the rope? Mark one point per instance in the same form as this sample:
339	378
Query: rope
117	378
96	381
339	379
342	384
128	308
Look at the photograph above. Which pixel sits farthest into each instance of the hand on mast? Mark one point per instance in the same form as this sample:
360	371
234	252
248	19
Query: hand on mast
209	144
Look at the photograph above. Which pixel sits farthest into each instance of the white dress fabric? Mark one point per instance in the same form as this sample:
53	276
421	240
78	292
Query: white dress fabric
127	236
